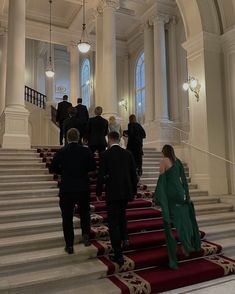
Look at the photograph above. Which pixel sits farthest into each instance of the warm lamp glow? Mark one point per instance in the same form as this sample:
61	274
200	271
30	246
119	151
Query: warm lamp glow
49	73
185	86
193	85
83	47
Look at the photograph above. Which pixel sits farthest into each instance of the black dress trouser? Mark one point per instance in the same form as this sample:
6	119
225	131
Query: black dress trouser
117	225
67	204
61	125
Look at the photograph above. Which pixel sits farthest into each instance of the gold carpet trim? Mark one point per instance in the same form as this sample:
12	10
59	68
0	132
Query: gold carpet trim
227	265
106	245
101	232
135	283
209	249
128	265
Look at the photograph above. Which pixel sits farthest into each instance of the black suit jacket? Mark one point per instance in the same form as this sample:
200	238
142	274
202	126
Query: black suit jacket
82	113
73	162
62	110
71	122
97	129
117	171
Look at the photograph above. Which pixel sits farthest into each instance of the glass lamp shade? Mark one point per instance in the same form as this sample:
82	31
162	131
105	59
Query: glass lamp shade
49	72
193	83
84	47
185	86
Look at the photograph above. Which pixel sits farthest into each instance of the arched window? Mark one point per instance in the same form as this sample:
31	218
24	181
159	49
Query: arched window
85	82
140	88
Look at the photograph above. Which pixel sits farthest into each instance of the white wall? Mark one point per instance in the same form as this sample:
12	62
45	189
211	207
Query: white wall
62	73
31	63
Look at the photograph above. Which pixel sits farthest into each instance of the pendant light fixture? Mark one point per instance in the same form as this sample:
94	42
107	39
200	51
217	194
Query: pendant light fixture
49	70
84	45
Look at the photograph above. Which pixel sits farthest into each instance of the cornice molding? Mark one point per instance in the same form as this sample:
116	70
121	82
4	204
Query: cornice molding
114	4
228	40
202	42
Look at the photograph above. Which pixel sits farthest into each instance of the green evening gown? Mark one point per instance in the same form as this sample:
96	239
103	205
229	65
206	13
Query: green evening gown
172	195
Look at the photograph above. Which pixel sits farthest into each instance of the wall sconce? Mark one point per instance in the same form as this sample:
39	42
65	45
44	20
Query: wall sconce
194	85
123	103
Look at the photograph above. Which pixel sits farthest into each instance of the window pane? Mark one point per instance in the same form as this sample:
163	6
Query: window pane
85	82
140	88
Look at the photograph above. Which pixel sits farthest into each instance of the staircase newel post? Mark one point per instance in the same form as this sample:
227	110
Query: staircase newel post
14	122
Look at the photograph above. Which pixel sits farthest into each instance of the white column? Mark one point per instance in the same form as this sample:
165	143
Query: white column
99	57
74	75
228	42
15	118
3	68
207	118
173	79
50	81
109	99
160	72
149	73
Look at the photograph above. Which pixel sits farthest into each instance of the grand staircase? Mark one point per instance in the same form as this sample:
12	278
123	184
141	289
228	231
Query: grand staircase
32	259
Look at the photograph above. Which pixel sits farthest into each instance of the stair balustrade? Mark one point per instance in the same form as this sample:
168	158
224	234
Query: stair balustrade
35	97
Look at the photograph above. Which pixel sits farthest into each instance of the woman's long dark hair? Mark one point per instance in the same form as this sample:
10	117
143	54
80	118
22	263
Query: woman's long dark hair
168	151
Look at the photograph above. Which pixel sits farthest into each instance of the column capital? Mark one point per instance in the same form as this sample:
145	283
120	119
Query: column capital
159	18
97	12
145	26
173	20
3	31
114	4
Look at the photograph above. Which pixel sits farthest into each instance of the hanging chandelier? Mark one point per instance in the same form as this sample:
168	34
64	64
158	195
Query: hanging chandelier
84	45
49	69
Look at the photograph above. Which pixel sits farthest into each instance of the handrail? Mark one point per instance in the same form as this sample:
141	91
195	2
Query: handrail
35	97
195	147
205	151
201	150
53	115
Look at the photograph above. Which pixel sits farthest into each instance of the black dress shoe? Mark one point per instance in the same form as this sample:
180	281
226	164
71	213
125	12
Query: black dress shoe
119	260
69	249
86	240
125	244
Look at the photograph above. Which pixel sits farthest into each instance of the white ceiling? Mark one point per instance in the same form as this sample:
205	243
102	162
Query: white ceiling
67	15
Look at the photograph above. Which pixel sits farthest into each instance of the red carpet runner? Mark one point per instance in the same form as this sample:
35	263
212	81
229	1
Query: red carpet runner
145	270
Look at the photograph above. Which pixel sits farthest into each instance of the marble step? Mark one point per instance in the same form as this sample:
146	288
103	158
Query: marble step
21	156
22	228
219	231
218	218
28	185
18	164
29	214
213	208
15	204
198	200
151	162
228	245
33	193
45	258
37	281
17	244
10	159
25	178
18	151
23	171
153	181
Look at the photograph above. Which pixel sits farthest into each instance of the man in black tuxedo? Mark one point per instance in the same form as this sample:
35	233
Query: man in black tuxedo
71	122
74	162
83	116
97	129
117	171
62	114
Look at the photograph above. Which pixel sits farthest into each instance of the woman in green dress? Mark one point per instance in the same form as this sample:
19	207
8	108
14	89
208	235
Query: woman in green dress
172	194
